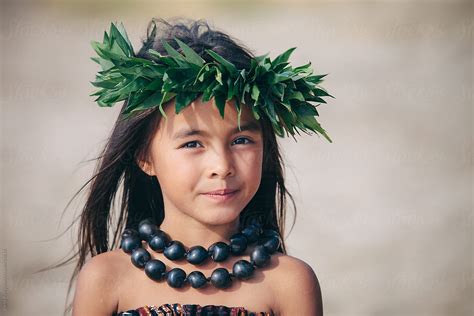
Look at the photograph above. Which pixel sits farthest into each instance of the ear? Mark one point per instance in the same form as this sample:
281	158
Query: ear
146	166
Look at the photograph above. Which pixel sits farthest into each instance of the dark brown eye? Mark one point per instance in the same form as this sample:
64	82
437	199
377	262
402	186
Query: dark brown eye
244	138
186	144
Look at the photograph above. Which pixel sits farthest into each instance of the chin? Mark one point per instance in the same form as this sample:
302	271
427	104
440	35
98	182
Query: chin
217	216
219	213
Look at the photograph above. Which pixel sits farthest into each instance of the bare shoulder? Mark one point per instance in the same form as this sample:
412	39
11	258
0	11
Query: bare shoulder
97	283
295	286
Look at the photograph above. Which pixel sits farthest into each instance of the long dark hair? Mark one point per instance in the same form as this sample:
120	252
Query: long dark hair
140	195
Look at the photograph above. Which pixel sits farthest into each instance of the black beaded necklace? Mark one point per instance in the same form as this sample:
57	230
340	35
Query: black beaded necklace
267	242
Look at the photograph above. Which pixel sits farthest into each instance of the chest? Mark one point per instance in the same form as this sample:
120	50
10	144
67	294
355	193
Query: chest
135	289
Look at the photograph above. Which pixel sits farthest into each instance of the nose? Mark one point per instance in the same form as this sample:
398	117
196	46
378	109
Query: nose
222	165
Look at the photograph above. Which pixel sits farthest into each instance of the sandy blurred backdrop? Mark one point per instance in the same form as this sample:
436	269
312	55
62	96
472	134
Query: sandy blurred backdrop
385	212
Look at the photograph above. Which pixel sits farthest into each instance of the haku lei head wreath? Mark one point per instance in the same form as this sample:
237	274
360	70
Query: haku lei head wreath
270	87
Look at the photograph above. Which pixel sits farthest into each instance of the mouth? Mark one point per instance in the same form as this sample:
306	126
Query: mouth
221	195
221	192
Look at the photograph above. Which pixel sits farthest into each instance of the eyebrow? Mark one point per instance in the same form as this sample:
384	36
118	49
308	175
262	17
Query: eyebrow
250	126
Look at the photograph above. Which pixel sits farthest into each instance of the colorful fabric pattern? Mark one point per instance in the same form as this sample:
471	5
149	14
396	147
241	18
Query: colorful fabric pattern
190	310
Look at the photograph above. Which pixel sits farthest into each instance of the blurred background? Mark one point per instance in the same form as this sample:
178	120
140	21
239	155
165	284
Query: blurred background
384	212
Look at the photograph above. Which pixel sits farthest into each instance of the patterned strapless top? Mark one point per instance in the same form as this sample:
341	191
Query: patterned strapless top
190	310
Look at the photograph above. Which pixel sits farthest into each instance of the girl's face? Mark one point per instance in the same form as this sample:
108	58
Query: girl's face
197	151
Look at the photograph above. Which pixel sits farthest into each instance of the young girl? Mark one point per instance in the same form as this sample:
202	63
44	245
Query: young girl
202	193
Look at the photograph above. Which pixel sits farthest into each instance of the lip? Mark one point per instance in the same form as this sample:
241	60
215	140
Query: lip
221	191
221	195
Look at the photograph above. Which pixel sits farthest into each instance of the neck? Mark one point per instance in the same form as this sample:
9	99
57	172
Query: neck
195	232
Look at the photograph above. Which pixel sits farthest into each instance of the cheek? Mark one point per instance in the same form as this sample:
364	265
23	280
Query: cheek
176	173
250	168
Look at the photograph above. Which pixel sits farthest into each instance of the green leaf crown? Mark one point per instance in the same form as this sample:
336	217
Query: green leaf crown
270	87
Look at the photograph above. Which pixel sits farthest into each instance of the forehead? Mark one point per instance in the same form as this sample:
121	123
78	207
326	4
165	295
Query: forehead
204	116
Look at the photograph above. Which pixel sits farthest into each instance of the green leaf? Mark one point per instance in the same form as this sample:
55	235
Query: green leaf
278	129
237	87
116	49
315	99
177	57
305	109
287	106
135	100
239	111
98	49
123	32
154	85
104	84
181	75
245	90
184	99
166	97
191	55
296	95
287	118
121	40
269	108
219	76
219	101
221	60
255	112
167	60
116	59
106	38
208	93
280	77
104	64
321	93
310	122
153	100
171	51
255	92
230	89
280	67
283	58
202	73
302	68
259	59
316	78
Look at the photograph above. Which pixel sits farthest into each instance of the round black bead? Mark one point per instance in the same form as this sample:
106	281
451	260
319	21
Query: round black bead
176	277
197	279
175	250
147	229
129	232
197	255
270	233
219	251
251	232
155	269
238	244
260	256
158	242
220	278
243	269
140	257
256	222
130	243
271	244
